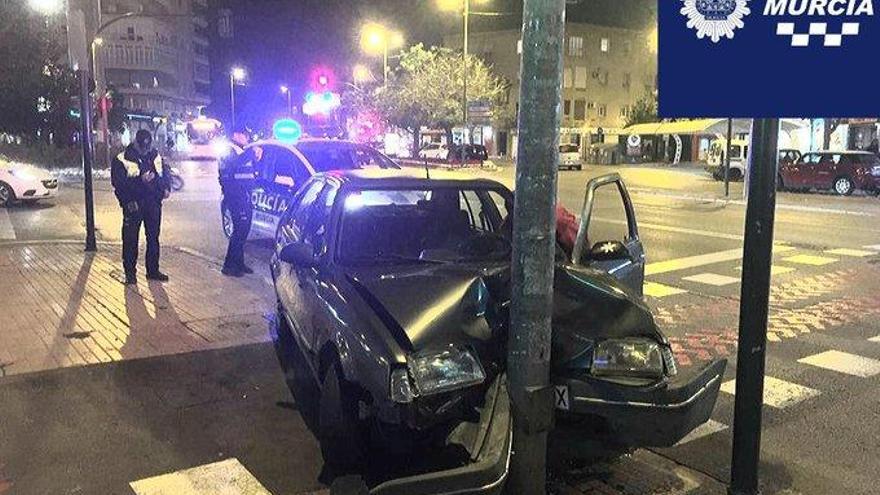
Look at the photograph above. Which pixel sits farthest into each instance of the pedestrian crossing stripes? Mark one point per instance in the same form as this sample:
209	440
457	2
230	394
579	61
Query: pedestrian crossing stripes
712	279
779	394
875	247
775	270
843	362
227	477
856	253
704	430
7	232
807	259
654	289
875	339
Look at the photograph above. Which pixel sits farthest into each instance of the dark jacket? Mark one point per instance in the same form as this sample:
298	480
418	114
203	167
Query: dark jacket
126	172
237	172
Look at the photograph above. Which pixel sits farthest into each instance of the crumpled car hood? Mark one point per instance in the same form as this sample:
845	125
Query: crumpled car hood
436	305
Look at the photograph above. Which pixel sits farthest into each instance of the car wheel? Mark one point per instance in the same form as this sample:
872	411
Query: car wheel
580	167
7	196
780	183
844	186
227	222
735	175
341	433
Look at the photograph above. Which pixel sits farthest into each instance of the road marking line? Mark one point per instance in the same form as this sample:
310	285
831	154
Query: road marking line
778	393
857	253
874	339
875	247
227	477
678	230
704	430
806	259
712	279
654	289
675	265
843	362
7	232
775	269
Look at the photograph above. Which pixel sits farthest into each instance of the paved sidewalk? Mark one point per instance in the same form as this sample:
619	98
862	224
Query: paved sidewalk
61	307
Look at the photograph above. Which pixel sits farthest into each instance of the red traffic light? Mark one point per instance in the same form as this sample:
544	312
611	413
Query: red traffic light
322	79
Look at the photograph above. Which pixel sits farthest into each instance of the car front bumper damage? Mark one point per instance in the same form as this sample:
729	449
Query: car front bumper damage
489	443
657	416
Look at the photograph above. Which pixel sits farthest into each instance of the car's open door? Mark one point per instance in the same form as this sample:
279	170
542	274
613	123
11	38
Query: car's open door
608	235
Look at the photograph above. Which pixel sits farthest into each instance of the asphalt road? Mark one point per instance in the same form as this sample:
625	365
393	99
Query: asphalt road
824	354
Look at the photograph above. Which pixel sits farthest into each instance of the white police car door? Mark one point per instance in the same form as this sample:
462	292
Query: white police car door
281	172
608	235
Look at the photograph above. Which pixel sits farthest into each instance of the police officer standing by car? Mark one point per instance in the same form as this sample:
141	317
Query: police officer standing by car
237	180
141	184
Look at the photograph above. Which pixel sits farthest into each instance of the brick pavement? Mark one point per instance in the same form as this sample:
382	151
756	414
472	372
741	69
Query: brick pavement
62	307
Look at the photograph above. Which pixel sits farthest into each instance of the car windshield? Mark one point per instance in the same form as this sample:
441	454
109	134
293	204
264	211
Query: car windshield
327	156
438	225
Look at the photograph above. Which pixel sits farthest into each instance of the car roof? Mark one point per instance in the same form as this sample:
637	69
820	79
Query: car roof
293	146
407	178
847	152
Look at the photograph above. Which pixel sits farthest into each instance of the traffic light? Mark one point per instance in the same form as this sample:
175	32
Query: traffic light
322	79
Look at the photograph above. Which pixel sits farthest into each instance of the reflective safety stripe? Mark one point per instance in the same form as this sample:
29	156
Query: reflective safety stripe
157	163
244	176
131	168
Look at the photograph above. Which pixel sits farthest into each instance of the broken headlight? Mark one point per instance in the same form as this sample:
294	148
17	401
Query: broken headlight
633	357
450	369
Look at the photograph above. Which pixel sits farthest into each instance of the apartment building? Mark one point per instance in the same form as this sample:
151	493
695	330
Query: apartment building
606	71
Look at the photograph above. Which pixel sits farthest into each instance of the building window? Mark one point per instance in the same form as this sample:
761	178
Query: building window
566	77
624	111
566	108
580	109
602	110
605	45
580	78
575	46
627	47
627	80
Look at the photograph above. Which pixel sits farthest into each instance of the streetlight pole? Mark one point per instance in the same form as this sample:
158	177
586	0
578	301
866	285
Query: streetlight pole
385	58
464	76
286	91
232	96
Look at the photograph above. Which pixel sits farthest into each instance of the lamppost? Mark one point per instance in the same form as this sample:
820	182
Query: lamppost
286	91
463	6
236	75
377	39
361	74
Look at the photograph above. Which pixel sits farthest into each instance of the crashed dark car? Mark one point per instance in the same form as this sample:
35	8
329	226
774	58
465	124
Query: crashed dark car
393	310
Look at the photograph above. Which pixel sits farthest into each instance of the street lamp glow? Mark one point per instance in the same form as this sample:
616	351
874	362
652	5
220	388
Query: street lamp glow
46	7
449	5
99	41
373	38
284	89
238	74
395	40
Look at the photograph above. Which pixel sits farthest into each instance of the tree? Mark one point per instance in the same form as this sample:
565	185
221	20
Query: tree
644	110
830	127
426	90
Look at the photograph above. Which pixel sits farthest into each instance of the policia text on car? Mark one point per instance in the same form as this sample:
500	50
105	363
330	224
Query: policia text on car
141	183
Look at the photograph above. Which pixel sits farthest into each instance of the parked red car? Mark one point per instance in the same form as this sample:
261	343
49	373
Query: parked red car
840	171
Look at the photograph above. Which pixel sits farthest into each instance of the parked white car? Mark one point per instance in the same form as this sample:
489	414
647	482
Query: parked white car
20	182
434	151
570	157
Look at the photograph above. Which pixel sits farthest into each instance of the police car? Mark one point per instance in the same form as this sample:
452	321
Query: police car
283	167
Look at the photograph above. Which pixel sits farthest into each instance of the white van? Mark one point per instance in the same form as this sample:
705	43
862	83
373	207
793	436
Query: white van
739	155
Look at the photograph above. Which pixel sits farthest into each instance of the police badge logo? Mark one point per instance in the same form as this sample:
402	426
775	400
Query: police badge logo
715	19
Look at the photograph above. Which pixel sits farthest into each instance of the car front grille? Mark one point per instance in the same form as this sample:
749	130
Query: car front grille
50	184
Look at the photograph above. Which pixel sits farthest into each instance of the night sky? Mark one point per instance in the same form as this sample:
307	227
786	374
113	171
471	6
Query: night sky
282	41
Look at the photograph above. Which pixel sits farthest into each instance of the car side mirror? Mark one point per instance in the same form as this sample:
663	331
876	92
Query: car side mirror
609	251
299	254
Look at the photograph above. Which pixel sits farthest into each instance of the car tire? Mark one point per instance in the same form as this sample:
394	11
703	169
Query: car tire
341	434
735	175
297	374
843	186
580	167
780	183
226	221
7	195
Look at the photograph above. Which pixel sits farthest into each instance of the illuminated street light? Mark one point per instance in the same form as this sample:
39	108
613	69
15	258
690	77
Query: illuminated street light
46	7
286	90
236	75
377	39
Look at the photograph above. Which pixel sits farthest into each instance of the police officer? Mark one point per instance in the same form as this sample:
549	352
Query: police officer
237	180
141	184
